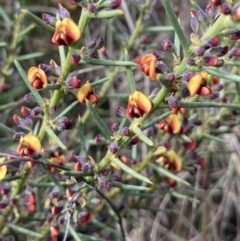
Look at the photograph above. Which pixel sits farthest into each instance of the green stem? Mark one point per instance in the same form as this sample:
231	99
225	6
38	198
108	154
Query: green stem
173	19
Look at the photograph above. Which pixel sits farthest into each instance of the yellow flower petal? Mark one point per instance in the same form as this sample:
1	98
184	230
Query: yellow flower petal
3	169
194	84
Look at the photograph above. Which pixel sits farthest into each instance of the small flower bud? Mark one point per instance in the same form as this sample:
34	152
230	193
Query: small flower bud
161	68
211	60
99	43
113	147
202	16
53	109
105	172
86	167
236	11
29	97
99	139
91	8
18	135
134	140
159	54
4	203
121	111
217	2
115	3
125	131
25	111
49	19
123	159
61	127
85	217
102	182
63	12
96	201
57	208
16	119
75	58
115	126
212	41
133	161
77	167
173	102
93	54
49	218
92	43
194	23
199	51
73	82
217	87
167	44
36	111
54	230
170	77
155	91
191	61
166	144
4	188
61	220
226	9
196	122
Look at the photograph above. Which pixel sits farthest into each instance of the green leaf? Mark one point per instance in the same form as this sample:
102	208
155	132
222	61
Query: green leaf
130	78
55	137
214	138
37	20
82	137
184	197
29	56
5	17
99	82
25	78
25	231
107	62
222	74
76	174
131	171
98	120
74	233
129	187
69	108
167	173
6	129
157	29
142	136
106	14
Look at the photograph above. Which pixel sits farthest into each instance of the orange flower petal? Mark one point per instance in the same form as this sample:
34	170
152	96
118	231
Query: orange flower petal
72	30
147	58
148	65
84	92
3	169
152	70
194	84
37	77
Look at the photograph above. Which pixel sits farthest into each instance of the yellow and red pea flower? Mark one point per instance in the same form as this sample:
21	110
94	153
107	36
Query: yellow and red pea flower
3	169
198	84
182	110
28	145
171	124
138	105
147	65
170	160
86	92
66	33
37	77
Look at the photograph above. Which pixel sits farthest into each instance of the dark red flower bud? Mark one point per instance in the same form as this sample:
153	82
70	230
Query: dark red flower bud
53	109
224	99
16	119
25	111
196	122
173	102
85	217
236	11
36	111
149	131
187	75
167	44
61	220
211	12
93	54
166	144
91	8
4	188
49	19
226	9
113	147
134	140
170	77
73	82
4	203
159	54
105	172
57	208
212	41
49	218
77	167
199	51
102	182
115	126
235	35
75	58
115	3
99	139
213	96
61	127
125	131
211	60
217	2
133	161
191	61
219	50
86	167
161	68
